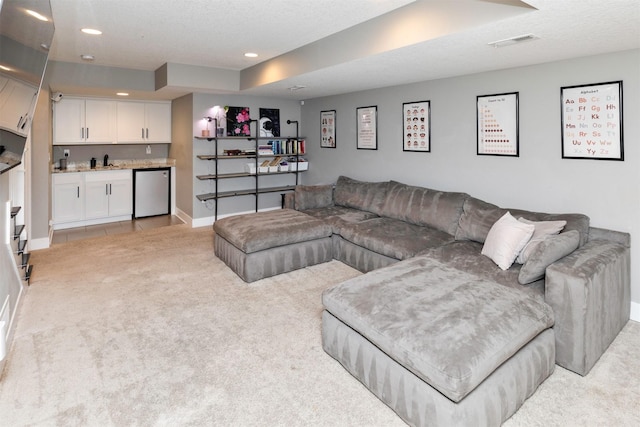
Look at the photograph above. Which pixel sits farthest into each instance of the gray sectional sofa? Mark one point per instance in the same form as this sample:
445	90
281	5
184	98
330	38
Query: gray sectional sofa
465	307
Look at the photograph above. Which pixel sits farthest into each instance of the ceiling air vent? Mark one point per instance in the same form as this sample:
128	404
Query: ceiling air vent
514	40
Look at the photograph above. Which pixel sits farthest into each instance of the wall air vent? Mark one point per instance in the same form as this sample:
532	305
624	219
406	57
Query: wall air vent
514	40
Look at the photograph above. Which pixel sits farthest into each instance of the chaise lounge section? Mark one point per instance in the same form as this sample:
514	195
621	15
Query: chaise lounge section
430	255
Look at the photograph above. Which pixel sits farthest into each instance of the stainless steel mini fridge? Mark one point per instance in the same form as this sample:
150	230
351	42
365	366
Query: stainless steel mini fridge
151	192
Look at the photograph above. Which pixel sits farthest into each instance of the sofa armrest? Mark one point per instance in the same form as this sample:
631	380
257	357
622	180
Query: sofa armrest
589	291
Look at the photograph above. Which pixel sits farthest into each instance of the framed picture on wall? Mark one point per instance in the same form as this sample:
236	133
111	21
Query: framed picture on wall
367	128
497	124
238	121
269	123
416	125
592	121
328	129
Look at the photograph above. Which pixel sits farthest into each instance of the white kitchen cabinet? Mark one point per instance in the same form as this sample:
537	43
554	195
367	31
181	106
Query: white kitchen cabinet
144	122
84	121
108	194
86	198
16	99
68	197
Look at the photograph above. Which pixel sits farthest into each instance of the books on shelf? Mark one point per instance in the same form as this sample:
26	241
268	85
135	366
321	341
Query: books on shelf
289	146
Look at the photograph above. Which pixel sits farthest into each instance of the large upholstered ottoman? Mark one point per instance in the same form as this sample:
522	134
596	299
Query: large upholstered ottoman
264	244
438	345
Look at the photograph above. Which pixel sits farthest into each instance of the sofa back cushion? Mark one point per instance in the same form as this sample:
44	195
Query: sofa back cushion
479	216
313	196
423	206
367	196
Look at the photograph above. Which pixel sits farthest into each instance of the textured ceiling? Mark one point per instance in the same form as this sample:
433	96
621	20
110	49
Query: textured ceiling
145	34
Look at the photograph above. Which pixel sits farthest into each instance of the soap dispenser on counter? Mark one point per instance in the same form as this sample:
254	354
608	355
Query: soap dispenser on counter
93	163
105	163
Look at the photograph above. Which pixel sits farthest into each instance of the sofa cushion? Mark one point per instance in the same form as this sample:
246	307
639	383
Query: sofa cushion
506	239
465	256
423	206
448	327
548	251
336	216
479	216
265	230
313	196
368	196
477	219
542	230
393	238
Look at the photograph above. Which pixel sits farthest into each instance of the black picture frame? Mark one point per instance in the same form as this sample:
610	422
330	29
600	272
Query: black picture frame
591	121
416	125
269	122
328	129
367	128
498	128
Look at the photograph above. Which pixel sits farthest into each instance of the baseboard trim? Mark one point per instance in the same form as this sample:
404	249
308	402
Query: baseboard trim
183	217
635	311
208	221
37	244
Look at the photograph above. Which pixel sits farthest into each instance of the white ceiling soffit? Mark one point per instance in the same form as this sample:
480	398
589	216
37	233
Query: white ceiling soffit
416	23
329	46
144	34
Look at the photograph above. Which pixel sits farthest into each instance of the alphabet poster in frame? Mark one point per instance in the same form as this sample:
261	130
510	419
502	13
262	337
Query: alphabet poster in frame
328	129
416	126
367	128
592	121
497	120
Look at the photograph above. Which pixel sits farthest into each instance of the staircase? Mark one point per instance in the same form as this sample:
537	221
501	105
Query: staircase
22	257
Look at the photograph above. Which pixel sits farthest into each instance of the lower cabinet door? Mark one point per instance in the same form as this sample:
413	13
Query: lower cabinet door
68	198
120	197
96	199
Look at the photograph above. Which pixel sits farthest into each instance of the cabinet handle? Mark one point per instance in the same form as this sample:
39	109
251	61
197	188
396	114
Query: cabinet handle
142	133
87	133
106	189
147	133
110	192
82	132
78	191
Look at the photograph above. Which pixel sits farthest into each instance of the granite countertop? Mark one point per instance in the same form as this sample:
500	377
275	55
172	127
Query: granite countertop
115	165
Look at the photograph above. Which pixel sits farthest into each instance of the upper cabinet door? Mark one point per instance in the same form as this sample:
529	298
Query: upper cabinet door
158	122
100	121
68	122
144	122
15	103
131	122
84	121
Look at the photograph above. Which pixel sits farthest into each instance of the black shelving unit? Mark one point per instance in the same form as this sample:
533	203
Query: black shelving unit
216	194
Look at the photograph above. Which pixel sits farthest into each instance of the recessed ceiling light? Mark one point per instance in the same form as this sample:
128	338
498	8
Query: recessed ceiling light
513	40
122	94
251	55
44	46
87	57
37	15
296	87
91	31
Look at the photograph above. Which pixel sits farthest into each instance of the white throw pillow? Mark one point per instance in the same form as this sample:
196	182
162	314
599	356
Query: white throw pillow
506	239
542	231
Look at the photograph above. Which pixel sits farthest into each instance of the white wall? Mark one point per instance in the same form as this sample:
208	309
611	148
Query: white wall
539	179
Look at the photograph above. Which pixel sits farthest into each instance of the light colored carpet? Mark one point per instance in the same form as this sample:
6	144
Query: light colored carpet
150	329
